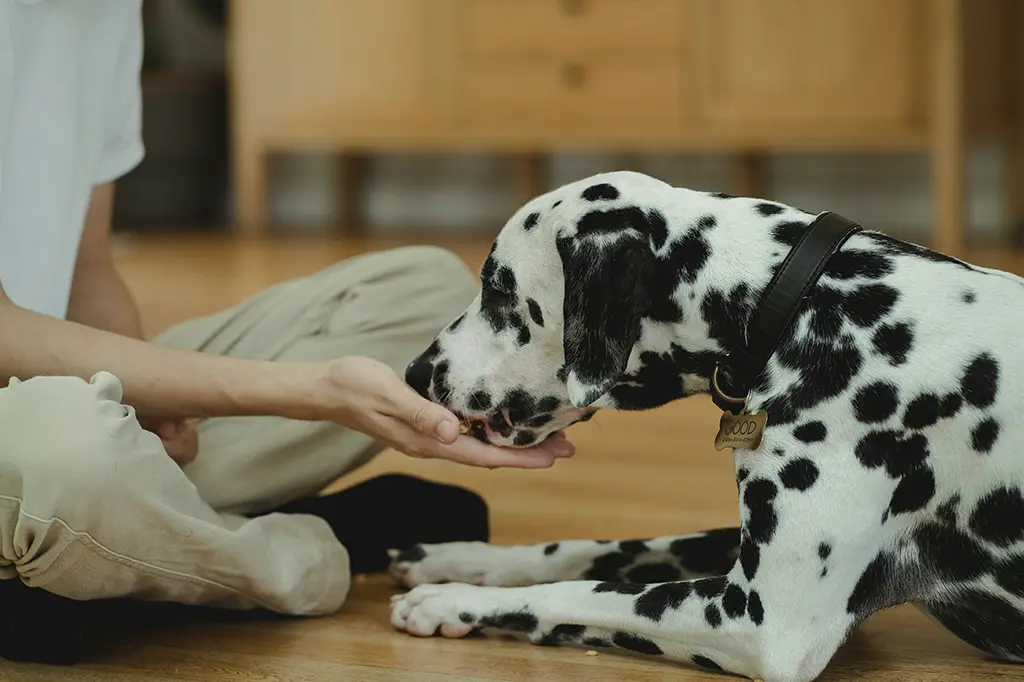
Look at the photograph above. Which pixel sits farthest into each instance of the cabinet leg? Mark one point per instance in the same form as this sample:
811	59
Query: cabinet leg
948	143
752	176
250	188
355	168
533	176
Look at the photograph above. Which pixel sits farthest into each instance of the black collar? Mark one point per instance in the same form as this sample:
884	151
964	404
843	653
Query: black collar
734	376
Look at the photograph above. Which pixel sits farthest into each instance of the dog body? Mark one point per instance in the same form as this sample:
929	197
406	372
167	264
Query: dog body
890	470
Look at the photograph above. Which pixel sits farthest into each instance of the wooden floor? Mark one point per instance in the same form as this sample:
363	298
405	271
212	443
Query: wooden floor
634	475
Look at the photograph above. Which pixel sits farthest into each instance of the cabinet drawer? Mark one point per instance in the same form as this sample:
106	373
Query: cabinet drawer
587	92
571	27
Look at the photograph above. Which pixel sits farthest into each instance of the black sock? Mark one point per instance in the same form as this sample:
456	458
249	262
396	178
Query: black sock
396	511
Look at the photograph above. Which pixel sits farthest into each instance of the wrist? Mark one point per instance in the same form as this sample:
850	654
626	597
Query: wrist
290	390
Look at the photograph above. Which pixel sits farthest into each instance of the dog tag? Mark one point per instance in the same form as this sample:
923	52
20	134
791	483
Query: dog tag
740	430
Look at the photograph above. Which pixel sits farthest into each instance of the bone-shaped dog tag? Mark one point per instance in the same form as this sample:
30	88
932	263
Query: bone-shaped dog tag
741	430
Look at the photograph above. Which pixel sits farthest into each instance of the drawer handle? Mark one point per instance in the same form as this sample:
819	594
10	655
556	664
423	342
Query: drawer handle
573	7
573	75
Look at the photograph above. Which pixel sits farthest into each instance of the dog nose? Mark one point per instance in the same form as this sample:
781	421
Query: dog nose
418	374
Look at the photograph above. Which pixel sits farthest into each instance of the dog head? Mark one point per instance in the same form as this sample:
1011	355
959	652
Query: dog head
563	293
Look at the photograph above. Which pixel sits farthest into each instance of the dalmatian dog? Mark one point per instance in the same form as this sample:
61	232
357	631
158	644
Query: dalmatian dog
890	469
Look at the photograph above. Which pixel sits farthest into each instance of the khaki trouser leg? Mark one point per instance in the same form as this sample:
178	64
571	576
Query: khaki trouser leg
388	305
91	507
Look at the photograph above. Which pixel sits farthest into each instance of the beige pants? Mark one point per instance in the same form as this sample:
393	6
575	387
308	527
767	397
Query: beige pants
91	506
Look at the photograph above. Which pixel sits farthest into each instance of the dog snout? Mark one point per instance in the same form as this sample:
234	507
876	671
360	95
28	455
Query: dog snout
418	374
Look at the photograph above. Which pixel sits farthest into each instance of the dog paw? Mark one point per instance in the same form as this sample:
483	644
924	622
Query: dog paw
474	563
449	610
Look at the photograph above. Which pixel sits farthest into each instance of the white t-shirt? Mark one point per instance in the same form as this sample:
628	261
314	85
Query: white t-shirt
70	119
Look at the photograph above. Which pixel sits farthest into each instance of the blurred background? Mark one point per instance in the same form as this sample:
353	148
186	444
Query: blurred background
432	117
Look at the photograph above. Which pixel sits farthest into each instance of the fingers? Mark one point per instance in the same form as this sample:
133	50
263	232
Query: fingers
426	417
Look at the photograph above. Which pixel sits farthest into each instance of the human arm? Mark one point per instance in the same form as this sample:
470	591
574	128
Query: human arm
167	383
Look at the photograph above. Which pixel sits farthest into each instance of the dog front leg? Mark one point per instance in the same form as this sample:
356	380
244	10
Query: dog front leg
662	559
712	623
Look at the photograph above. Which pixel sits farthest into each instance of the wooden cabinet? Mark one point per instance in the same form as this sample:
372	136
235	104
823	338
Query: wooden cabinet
538	76
810	63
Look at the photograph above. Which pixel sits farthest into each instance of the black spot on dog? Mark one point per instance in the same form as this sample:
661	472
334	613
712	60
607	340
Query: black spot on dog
653	573
633	547
768	209
513	621
898	454
412	555
658	229
913	492
734	602
635	643
826	368
922	412
750	559
531	221
811	432
687	256
999	517
980	382
711	553
867	305
457	323
601	191
710	587
984	435
947	510
851	263
660	598
984	620
479	401
551	549
875	402
789	233
726	314
894	341
524	438
951	404
535	313
538	421
608	567
657	382
951	553
873	583
824	550
1009	575
619	588
563	634
968	297
800	474
762	521
556	204
713	616
706	663
721	195
755	610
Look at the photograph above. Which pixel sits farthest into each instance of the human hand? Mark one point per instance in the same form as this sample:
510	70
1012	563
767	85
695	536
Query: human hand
180	439
374	400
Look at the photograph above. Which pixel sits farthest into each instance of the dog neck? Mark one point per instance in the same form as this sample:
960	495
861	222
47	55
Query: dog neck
711	273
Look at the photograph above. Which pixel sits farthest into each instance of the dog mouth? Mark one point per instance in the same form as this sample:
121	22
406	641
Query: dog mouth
499	428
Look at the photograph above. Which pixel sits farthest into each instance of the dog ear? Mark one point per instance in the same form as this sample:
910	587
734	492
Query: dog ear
606	281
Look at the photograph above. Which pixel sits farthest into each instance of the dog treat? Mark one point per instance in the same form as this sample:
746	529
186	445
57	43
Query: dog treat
591	653
463	428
